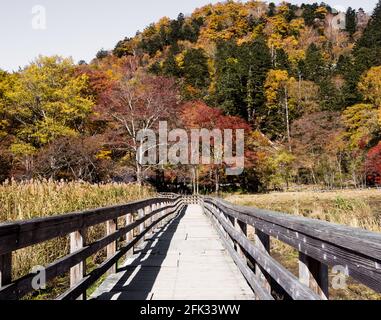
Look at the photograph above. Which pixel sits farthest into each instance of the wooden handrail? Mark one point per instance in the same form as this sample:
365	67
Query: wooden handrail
320	244
17	235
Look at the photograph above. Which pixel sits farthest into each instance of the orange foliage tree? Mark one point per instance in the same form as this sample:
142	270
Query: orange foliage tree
198	115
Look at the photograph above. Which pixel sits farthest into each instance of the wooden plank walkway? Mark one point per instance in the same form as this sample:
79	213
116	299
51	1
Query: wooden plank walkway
184	260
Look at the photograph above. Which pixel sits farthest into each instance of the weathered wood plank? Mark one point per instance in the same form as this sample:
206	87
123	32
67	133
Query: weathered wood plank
77	242
356	239
147	211
262	241
314	274
111	227
242	228
130	235
182	270
5	269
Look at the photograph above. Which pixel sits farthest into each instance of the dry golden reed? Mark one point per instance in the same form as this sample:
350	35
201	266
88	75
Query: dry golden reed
32	199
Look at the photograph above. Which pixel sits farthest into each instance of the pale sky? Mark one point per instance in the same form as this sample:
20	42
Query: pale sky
79	28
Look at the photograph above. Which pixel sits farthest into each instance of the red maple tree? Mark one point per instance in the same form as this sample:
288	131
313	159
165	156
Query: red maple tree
373	165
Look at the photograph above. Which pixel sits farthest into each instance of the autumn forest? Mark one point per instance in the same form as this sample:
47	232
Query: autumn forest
303	81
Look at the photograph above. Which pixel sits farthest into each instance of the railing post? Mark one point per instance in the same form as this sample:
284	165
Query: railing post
262	241
314	274
141	214
230	221
147	211
153	218
5	269
241	227
162	213
111	227
139	229
130	235
77	242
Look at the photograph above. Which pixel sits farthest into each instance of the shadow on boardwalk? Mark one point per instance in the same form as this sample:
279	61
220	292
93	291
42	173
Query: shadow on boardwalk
136	280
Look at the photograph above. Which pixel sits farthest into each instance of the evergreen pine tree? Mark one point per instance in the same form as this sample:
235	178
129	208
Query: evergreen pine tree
314	65
272	9
350	19
229	90
195	68
367	54
281	60
170	67
371	37
241	73
250	89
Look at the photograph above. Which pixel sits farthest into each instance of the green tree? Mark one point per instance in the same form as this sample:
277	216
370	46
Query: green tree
47	101
279	104
314	64
101	54
272	9
170	67
229	88
350	18
361	125
367	54
195	68
281	60
241	73
5	83
371	37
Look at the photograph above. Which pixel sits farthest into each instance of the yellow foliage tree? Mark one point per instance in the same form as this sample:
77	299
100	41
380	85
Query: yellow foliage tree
47	101
361	123
223	21
277	95
276	83
370	86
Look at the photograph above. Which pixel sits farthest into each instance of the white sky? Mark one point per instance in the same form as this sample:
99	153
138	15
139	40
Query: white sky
79	28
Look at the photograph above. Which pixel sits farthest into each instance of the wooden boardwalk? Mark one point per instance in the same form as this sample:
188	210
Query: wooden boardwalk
183	260
191	248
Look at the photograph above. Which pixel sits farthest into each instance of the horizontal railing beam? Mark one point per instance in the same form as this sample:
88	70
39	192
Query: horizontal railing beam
18	235
355	239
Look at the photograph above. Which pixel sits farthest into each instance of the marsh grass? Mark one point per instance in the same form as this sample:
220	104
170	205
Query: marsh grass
33	199
356	208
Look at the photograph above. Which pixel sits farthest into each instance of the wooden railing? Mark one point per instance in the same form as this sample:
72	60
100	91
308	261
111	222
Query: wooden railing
192	199
139	219
320	245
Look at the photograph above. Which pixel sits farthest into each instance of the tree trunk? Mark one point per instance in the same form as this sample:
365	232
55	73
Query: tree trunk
217	182
287	119
139	179
194	180
313	176
197	181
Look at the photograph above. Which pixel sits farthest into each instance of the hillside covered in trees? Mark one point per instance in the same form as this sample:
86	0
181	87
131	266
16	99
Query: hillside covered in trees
303	81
